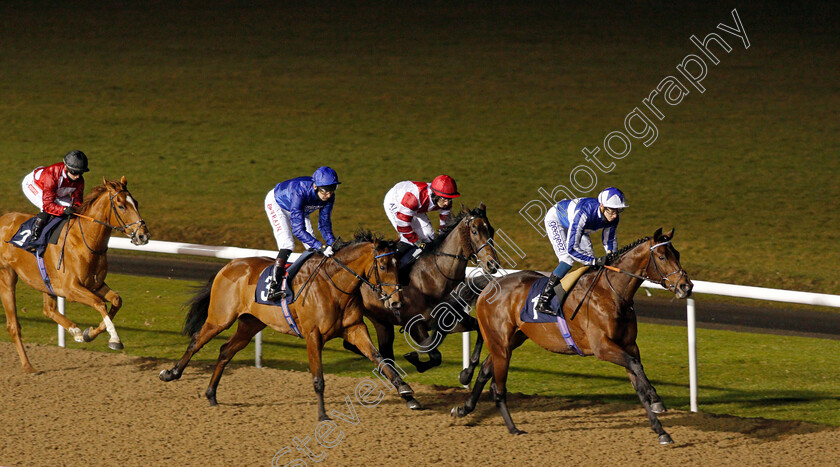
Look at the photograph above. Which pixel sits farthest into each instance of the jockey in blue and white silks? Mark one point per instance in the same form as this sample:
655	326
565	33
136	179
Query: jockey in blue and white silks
568	226
288	206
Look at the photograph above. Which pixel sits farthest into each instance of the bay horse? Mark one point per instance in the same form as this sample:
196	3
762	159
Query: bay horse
433	278
329	306
81	255
606	326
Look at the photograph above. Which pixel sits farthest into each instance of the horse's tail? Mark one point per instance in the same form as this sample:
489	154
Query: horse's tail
199	305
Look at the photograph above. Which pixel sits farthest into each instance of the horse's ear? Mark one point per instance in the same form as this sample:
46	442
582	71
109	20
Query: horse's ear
658	234
124	182
104	180
671	234
481	206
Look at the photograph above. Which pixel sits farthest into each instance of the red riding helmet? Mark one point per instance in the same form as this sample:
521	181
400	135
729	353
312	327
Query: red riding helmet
444	185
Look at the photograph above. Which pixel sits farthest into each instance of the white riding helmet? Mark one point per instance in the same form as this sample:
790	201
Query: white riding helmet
612	198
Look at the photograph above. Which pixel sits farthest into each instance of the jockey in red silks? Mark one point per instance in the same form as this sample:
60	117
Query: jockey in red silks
407	203
56	190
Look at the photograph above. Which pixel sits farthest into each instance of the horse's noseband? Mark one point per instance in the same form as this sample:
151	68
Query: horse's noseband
663	278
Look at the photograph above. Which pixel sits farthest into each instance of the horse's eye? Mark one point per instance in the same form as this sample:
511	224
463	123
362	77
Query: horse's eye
381	268
661	258
121	207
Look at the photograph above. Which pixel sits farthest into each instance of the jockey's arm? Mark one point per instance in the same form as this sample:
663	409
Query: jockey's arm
296	218
574	237
50	206
325	222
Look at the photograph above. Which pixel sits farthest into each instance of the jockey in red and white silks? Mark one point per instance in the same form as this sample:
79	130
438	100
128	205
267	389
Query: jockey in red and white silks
407	203
57	190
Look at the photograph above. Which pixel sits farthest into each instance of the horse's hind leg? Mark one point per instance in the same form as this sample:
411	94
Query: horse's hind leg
208	331
483	376
248	327
116	303
51	312
358	336
8	280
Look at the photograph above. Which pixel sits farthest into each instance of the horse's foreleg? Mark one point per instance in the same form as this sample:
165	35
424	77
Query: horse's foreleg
116	303
467	373
248	327
385	338
8	280
358	336
314	347
656	403
51	312
419	335
78	293
500	359
483	376
609	351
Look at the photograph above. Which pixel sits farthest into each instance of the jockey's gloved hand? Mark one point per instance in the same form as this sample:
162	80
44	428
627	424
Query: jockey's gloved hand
600	262
69	210
327	250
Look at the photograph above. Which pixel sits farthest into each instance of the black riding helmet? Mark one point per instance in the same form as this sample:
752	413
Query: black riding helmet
76	161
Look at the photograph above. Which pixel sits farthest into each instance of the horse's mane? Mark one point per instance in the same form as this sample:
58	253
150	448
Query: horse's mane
91	197
617	254
365	236
435	244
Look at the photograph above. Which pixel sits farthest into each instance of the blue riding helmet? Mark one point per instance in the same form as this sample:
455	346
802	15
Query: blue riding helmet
325	176
612	198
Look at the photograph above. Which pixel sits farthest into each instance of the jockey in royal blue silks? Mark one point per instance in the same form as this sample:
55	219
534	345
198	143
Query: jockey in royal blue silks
568	226
288	206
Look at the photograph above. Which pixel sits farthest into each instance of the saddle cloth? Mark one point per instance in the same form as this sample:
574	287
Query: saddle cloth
529	315
23	237
261	293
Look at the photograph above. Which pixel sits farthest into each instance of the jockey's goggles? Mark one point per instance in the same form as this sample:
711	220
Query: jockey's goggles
613	211
327	189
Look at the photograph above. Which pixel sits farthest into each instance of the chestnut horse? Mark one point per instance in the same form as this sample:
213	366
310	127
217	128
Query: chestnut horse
328	306
433	277
80	253
605	327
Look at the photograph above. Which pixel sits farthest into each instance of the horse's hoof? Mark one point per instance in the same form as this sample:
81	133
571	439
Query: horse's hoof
323	417
413	404
86	336
658	407
665	438
168	375
115	345
465	377
458	412
517	431
29	369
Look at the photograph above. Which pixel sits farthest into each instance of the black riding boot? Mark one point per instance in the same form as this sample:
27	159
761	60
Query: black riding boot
403	248
40	221
275	287
546	296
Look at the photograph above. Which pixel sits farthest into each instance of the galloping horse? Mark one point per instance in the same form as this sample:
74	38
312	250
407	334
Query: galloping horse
81	254
329	306
432	279
606	326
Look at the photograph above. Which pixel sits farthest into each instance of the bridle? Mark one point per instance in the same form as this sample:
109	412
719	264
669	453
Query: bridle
122	227
471	257
663	278
378	287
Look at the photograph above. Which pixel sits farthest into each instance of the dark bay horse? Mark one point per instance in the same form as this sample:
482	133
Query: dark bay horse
329	307
433	277
81	253
605	327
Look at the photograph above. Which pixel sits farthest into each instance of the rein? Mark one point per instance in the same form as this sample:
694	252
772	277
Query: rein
663	278
471	257
377	288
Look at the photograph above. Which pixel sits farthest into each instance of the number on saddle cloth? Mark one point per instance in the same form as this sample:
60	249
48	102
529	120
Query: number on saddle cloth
261	293
22	238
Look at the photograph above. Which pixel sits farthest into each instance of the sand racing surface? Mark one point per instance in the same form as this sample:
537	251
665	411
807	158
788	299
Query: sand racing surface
91	408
